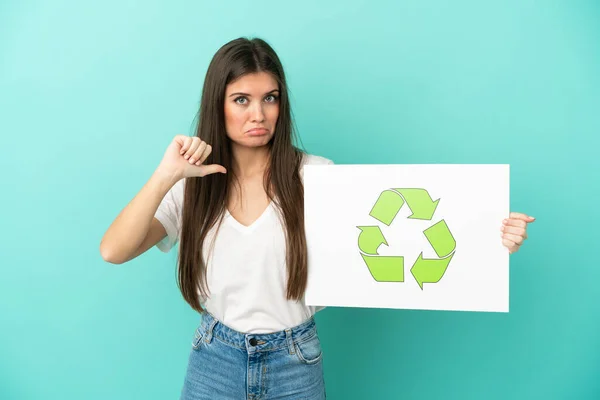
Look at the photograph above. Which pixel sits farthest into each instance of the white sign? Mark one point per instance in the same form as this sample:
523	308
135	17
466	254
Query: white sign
407	236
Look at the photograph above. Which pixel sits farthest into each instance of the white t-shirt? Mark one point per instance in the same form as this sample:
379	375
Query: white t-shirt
246	271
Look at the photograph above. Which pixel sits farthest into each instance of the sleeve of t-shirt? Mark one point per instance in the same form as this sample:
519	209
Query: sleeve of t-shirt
169	215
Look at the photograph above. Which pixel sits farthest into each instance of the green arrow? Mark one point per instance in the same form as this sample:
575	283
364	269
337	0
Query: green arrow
387	206
427	270
385	268
440	238
420	203
370	239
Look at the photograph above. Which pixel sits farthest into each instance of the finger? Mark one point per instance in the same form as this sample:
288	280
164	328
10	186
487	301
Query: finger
205	154
180	140
192	149
521	216
510	245
198	153
212	169
515	238
513	230
514	222
186	144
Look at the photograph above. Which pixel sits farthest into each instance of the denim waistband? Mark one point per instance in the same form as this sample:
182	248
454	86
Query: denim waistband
254	342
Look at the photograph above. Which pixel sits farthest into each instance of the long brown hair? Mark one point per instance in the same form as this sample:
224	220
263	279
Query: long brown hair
205	198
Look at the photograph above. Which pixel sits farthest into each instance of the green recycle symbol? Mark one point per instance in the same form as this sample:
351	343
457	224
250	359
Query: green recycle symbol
391	268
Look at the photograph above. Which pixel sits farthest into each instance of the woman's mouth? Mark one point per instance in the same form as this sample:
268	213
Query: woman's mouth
257	132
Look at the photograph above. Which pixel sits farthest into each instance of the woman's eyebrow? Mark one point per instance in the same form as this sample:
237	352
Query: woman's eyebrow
246	94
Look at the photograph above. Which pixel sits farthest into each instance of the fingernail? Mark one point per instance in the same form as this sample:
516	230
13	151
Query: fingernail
501	228
187	156
505	221
192	160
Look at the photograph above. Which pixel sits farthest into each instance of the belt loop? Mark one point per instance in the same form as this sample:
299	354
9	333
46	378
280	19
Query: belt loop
209	331
290	342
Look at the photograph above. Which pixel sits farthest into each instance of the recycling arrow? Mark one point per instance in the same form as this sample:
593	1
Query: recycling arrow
441	239
385	268
390	201
391	268
387	206
382	268
420	203
426	270
370	239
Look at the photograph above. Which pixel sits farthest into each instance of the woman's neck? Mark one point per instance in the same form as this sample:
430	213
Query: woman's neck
250	161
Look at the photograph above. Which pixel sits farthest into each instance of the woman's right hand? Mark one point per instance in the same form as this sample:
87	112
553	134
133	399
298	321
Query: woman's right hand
185	156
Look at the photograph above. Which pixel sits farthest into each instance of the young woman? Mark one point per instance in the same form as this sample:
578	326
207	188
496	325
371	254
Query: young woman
232	197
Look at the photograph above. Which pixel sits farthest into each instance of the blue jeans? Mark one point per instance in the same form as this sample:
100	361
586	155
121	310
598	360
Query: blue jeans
226	364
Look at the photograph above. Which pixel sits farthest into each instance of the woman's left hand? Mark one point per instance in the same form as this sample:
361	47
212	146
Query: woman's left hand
514	230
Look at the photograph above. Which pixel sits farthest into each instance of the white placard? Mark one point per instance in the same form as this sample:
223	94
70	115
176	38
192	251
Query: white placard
377	237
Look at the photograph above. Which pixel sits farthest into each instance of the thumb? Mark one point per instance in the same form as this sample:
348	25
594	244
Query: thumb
212	169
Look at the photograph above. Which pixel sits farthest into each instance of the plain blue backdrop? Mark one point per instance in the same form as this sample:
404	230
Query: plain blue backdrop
91	93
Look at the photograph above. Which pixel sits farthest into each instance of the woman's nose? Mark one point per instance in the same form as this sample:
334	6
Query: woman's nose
257	114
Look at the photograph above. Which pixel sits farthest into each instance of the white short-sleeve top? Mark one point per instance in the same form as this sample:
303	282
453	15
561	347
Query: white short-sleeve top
246	268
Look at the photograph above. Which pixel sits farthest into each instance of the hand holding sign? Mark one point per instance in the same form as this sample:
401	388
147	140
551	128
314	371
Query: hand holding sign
514	230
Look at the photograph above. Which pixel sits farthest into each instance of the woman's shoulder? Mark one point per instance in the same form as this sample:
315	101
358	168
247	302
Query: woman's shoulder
313	159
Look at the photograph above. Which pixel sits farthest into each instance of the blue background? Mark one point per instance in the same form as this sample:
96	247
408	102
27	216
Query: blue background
91	93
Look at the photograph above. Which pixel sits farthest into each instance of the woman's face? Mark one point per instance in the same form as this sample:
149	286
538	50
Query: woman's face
251	109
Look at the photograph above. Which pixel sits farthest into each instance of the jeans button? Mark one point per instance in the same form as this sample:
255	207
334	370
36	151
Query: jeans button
253	342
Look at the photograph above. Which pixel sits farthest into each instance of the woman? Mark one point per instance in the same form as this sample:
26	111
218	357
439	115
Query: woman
232	196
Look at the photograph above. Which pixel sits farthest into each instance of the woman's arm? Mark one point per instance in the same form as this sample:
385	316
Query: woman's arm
135	230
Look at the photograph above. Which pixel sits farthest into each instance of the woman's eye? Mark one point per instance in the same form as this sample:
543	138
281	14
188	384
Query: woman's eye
240	102
274	98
